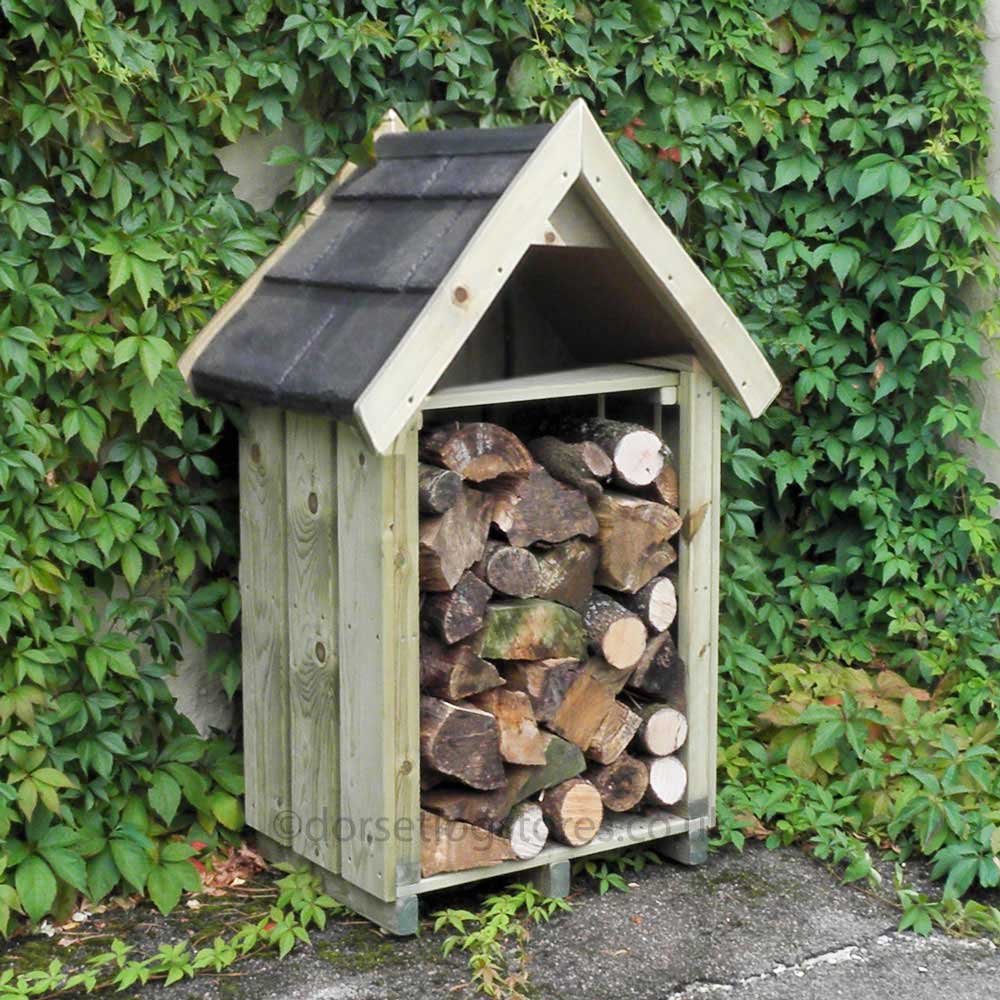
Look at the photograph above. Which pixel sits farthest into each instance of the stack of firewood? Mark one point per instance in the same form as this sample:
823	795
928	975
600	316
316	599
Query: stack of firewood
552	689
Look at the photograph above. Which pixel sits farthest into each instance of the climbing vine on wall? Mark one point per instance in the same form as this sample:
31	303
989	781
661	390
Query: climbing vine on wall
820	160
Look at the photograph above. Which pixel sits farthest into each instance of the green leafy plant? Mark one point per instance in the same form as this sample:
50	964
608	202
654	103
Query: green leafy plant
298	904
503	923
821	162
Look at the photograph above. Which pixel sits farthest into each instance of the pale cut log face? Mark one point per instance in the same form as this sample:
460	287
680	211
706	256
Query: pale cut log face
638	458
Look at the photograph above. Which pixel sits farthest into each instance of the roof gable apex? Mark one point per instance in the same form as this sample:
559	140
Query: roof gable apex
573	161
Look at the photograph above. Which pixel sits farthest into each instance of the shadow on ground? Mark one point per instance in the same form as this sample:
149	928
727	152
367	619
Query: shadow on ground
764	925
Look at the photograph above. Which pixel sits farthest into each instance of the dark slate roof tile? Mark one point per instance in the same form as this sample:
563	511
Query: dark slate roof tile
306	347
461	142
333	308
383	245
435	177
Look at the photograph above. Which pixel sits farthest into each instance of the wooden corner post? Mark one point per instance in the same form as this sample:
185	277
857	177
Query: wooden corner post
699	435
379	663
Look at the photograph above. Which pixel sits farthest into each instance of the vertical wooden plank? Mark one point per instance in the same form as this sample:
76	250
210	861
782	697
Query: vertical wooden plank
716	555
265	623
310	477
379	662
696	601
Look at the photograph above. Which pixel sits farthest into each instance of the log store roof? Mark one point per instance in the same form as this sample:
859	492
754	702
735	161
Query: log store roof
359	311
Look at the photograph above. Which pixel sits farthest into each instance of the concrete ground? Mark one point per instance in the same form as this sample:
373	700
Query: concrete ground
764	925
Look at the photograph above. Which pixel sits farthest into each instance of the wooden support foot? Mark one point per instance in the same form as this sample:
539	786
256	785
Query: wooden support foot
552	880
399	916
689	848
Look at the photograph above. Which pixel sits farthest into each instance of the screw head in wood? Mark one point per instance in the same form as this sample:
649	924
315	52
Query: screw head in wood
461	294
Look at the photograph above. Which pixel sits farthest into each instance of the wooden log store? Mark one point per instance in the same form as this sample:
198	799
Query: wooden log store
479	489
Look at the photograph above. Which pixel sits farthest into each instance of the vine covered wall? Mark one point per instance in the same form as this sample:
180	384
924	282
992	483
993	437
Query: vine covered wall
819	160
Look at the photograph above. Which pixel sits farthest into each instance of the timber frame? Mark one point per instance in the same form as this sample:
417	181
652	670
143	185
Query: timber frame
329	569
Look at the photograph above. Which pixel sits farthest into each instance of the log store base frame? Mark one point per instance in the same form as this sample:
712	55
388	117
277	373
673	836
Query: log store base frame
329	583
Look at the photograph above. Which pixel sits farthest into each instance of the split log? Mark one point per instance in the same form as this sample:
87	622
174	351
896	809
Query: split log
634	540
454	672
655	603
615	733
579	465
573	811
621	784
567	572
520	740
635	451
437	489
537	508
582	711
509	570
462	742
665	488
661	673
451	542
618	635
456	614
525	829
530	630
476	451
610	677
545	682
667	780
447	846
663	730
563	760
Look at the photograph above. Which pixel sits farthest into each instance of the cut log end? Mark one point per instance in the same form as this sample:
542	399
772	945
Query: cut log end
621	784
667	780
638	458
526	831
663	730
573	811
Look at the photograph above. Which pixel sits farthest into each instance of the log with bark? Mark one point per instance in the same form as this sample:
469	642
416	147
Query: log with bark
462	742
582	711
662	732
449	846
661	673
634	539
530	630
573	811
545	682
655	603
614	734
489	809
451	542
665	488
476	451
615	633
635	451
581	465
509	570
667	780
537	508
621	784
567	572
437	489
454	672
525	829
456	614
521	742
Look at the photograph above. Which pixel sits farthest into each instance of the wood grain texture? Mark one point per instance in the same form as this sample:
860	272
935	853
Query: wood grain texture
379	661
310	501
265	623
697	582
